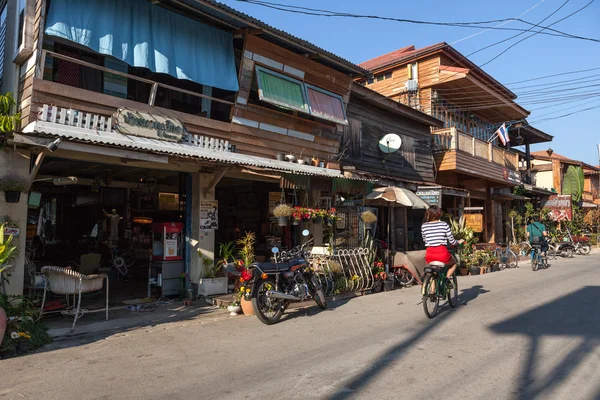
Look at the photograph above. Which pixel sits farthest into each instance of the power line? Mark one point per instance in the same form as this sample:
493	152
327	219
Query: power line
473	24
532	35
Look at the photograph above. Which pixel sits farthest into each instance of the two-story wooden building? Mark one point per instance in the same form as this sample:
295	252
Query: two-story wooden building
186	113
443	83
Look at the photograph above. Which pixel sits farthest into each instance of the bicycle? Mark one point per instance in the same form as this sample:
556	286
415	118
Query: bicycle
435	286
122	262
506	257
537	260
402	275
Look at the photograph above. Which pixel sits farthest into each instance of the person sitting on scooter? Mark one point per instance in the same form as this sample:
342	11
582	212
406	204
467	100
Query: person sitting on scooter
436	235
537	234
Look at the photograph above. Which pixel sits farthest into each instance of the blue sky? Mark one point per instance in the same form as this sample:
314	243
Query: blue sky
358	40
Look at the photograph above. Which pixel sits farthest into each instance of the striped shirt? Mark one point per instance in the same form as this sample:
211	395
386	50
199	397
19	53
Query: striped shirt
437	233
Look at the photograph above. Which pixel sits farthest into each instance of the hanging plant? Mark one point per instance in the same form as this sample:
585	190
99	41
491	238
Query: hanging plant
368	217
283	212
13	186
8	122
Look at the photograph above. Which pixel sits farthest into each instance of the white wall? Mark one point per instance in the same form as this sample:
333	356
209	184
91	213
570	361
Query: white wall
16	162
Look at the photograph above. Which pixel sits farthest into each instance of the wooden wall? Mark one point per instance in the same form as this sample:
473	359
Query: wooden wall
34	21
368	124
326	135
458	161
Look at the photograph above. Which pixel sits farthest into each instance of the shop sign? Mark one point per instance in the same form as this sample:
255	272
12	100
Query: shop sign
154	126
474	222
561	207
209	214
168	201
171	248
274	200
430	194
512	176
11	232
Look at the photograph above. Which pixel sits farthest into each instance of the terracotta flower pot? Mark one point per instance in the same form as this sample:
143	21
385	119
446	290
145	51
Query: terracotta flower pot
463	271
247	308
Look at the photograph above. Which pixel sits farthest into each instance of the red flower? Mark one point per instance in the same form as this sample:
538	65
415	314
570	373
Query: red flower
246	275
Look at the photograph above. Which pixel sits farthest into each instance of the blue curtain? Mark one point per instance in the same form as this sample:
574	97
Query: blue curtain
145	35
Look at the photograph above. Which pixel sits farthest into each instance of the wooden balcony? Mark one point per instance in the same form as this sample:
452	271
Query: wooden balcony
456	151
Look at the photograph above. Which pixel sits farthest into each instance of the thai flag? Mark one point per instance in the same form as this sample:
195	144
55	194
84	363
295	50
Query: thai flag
502	133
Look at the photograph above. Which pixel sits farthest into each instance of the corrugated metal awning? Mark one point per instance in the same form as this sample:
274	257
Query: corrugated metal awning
113	139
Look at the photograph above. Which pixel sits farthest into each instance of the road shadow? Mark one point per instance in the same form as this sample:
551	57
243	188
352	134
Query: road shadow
470	294
352	387
574	316
307	309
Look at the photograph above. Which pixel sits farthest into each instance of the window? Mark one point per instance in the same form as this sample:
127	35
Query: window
24	35
326	105
22	4
388	75
379	77
370	81
2	40
281	90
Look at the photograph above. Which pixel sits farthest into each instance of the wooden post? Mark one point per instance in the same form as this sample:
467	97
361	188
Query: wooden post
454	140
473	146
490	153
405	229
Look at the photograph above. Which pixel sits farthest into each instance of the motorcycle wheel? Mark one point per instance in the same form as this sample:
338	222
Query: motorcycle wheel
318	294
568	253
267	310
585	249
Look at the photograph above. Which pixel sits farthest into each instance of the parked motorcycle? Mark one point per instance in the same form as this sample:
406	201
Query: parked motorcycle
562	249
289	278
579	247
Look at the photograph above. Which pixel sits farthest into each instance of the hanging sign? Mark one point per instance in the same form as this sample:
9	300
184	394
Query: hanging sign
209	214
154	126
512	176
431	194
474	222
561	207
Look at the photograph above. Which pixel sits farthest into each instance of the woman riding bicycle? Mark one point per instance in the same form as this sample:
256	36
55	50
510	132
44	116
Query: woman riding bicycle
436	235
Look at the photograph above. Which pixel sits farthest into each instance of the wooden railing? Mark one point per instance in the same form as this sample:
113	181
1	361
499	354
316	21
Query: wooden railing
453	139
104	123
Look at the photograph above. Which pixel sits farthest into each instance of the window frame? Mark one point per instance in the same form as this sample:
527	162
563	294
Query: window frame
327	92
23	38
259	68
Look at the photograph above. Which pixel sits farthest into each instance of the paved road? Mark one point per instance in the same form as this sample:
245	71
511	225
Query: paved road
516	335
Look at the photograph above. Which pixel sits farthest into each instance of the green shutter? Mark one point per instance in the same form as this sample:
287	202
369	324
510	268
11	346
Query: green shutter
281	91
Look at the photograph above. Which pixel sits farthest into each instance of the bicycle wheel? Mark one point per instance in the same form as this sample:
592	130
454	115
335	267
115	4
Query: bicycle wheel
501	259
129	258
453	293
431	300
404	277
513	260
534	263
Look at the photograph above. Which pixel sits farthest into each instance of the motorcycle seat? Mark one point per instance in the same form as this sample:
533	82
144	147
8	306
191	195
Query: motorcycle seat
284	266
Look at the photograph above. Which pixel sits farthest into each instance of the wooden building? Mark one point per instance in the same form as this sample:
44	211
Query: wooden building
472	105
204	126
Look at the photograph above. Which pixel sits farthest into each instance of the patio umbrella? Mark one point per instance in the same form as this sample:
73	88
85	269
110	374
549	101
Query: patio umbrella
397	195
391	196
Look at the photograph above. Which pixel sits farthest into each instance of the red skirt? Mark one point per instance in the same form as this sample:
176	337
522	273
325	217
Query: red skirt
438	253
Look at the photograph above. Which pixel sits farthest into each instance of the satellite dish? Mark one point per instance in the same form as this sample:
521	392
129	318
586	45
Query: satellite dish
390	143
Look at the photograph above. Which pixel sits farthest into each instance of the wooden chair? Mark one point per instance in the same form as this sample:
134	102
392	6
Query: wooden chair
68	282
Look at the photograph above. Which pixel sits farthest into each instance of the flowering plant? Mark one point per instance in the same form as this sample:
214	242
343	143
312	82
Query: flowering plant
300	213
379	270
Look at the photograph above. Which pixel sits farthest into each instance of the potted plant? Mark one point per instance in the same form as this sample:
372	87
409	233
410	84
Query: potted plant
6	250
297	215
246	253
13	186
318	215
210	285
369	219
283	212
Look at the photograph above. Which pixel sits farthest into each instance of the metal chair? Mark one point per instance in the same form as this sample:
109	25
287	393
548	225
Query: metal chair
68	282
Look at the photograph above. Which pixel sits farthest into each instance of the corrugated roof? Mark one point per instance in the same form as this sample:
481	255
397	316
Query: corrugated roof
174	149
399	55
240	20
384	59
